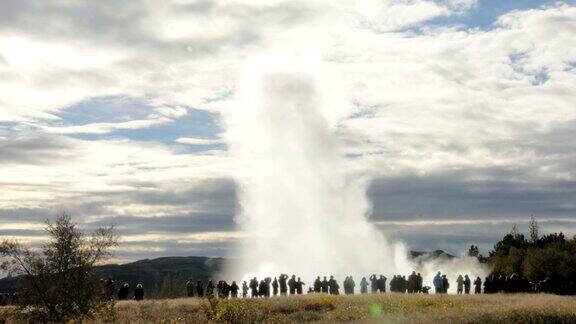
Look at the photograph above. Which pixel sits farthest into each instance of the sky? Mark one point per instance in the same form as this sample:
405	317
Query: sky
462	113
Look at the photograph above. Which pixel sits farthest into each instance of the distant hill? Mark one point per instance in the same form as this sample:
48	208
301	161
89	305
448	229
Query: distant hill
166	277
162	277
423	255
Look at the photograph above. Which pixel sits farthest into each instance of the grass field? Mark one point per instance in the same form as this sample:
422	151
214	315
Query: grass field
388	308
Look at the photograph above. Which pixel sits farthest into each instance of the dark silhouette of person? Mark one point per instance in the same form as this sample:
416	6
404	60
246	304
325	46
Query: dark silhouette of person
282	281
110	288
267	281
466	285
292	285
351	285
254	287
123	292
445	284
460	285
299	286
333	286
103	287
364	286
404	284
190	288
438	283
317	285
325	285
419	281
382	284
373	283
412	282
244	289
210	289
477	285
275	286
262	288
199	289
223	289
234	289
139	292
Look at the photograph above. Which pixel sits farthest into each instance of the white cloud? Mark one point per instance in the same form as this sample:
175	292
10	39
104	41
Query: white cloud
420	102
197	141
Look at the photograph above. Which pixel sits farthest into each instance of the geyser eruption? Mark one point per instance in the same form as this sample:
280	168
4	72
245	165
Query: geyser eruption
302	213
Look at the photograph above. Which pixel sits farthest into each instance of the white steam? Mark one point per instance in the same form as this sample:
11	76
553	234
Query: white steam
302	212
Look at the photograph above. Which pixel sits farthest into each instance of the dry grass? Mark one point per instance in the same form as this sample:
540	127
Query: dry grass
389	308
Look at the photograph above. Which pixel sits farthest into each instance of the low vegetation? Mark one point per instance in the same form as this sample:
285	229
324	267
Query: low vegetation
394	308
549	257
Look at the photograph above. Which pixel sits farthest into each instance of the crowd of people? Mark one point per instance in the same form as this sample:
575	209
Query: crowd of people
284	285
107	289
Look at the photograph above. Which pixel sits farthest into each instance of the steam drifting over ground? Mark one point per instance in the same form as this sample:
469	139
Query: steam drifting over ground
303	211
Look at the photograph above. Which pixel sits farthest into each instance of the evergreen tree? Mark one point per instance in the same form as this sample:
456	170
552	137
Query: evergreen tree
533	230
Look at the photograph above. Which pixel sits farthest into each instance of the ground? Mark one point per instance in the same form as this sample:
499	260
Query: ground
388	308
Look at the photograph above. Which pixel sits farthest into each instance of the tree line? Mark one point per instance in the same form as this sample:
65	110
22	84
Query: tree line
549	258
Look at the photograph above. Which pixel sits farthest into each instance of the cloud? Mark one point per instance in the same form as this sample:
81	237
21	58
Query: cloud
110	110
198	141
36	149
472	195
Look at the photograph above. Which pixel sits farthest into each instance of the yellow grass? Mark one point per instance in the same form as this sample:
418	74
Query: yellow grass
388	308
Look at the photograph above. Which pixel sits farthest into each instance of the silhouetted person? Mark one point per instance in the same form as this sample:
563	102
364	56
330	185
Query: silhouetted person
445	284
317	285
394	283
333	286
102	288
460	284
419	281
438	283
412	282
466	284
244	289
110	288
123	292
262	288
139	292
364	286
210	289
254	287
190	288
275	286
477	285
299	286
267	282
234	289
199	289
381	283
282	281
351	285
325	285
223	289
373	283
292	285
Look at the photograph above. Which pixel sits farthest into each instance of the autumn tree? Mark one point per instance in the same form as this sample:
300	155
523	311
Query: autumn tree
56	282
